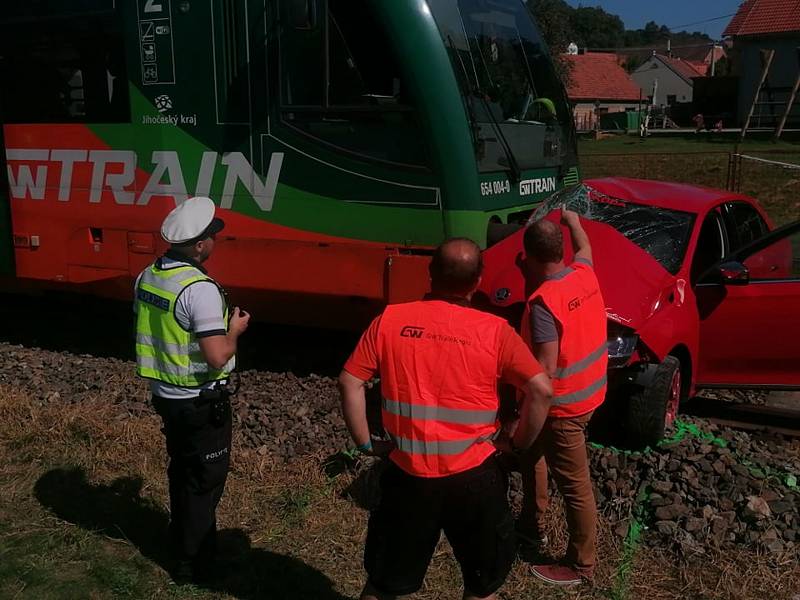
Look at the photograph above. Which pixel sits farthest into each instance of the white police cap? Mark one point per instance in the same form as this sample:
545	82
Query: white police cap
191	220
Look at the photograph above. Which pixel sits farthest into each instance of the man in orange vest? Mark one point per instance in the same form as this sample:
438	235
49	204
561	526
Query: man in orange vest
440	362
565	324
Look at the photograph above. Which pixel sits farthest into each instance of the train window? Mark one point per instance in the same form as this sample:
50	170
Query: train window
342	85
61	70
510	87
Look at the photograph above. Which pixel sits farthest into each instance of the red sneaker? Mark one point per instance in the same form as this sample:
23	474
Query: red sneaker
557	574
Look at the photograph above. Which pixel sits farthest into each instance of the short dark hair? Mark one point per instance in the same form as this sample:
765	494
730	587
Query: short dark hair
456	266
544	241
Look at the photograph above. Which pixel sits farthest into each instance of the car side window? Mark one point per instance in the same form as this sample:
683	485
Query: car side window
780	261
744	224
710	246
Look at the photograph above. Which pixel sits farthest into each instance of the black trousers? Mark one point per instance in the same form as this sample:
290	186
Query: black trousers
472	509
199	458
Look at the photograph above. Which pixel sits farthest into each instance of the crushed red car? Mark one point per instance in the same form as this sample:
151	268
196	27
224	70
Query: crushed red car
700	292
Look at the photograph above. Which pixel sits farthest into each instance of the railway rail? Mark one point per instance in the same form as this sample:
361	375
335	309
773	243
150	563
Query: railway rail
749	417
102	328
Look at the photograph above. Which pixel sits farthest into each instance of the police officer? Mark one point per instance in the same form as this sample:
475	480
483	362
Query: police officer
565	324
440	361
185	345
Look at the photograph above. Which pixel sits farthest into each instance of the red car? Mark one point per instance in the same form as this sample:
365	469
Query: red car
700	292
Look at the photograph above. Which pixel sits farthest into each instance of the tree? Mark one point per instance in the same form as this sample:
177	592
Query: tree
595	28
554	19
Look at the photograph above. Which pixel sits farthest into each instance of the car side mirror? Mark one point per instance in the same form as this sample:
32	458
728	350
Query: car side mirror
734	273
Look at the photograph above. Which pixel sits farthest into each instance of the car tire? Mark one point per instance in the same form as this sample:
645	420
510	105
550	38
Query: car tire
653	403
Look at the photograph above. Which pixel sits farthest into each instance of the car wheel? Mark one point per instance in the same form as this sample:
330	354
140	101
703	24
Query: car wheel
653	403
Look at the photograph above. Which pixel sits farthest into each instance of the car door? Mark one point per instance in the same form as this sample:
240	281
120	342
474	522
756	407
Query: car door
749	318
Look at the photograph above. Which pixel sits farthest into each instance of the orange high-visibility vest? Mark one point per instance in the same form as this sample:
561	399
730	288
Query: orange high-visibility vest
579	382
439	372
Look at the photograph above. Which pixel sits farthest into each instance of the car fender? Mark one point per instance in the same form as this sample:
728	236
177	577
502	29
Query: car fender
675	323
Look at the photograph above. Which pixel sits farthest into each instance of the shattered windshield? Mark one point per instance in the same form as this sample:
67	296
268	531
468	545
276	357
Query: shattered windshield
662	233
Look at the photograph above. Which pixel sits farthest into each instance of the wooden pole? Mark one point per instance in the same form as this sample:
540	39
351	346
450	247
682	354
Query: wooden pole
770	54
789	104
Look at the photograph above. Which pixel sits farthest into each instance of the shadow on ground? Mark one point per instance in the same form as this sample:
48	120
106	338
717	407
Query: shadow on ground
118	511
56	321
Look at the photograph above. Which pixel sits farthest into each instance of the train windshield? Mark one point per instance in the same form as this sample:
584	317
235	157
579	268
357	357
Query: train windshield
511	91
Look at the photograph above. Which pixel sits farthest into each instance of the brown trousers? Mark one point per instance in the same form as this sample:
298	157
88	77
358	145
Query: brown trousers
562	447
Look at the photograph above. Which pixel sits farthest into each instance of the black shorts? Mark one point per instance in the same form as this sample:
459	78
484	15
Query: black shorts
472	509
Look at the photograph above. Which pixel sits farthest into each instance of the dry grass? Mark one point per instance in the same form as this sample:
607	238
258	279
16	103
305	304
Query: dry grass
83	503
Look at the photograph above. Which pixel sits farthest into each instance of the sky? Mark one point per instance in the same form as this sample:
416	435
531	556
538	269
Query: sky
676	14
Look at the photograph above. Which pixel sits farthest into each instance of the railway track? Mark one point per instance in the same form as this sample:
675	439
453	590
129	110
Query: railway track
86	325
65	322
750	417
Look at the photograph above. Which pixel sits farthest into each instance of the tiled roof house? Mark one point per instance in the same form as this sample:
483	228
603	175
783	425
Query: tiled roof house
597	84
760	26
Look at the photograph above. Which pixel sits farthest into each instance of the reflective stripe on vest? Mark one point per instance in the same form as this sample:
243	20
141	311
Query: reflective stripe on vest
165	351
437	447
582	364
439	389
439	413
580	377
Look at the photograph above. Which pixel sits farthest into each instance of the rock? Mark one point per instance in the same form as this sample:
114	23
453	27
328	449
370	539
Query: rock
774	547
718	526
769	536
668	513
726	504
662	487
694	524
667	528
621	530
657	500
780	507
757	508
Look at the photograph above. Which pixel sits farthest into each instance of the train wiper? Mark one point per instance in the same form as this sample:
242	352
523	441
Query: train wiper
513	165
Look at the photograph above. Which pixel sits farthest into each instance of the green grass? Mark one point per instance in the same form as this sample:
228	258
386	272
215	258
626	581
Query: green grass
700	160
44	560
682	142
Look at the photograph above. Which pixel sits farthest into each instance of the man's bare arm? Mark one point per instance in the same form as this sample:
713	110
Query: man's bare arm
547	355
354	407
218	349
580	241
538	393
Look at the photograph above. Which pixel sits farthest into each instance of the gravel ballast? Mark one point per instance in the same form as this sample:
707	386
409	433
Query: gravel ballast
707	486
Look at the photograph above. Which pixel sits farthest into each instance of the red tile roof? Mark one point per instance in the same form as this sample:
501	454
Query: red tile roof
701	67
683	68
758	17
598	76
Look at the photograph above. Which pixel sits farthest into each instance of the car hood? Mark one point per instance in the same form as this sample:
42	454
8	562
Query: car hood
633	283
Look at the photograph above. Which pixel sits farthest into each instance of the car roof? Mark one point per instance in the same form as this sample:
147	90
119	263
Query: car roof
664	194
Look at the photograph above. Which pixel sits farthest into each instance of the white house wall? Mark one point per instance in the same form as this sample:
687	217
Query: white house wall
669	82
